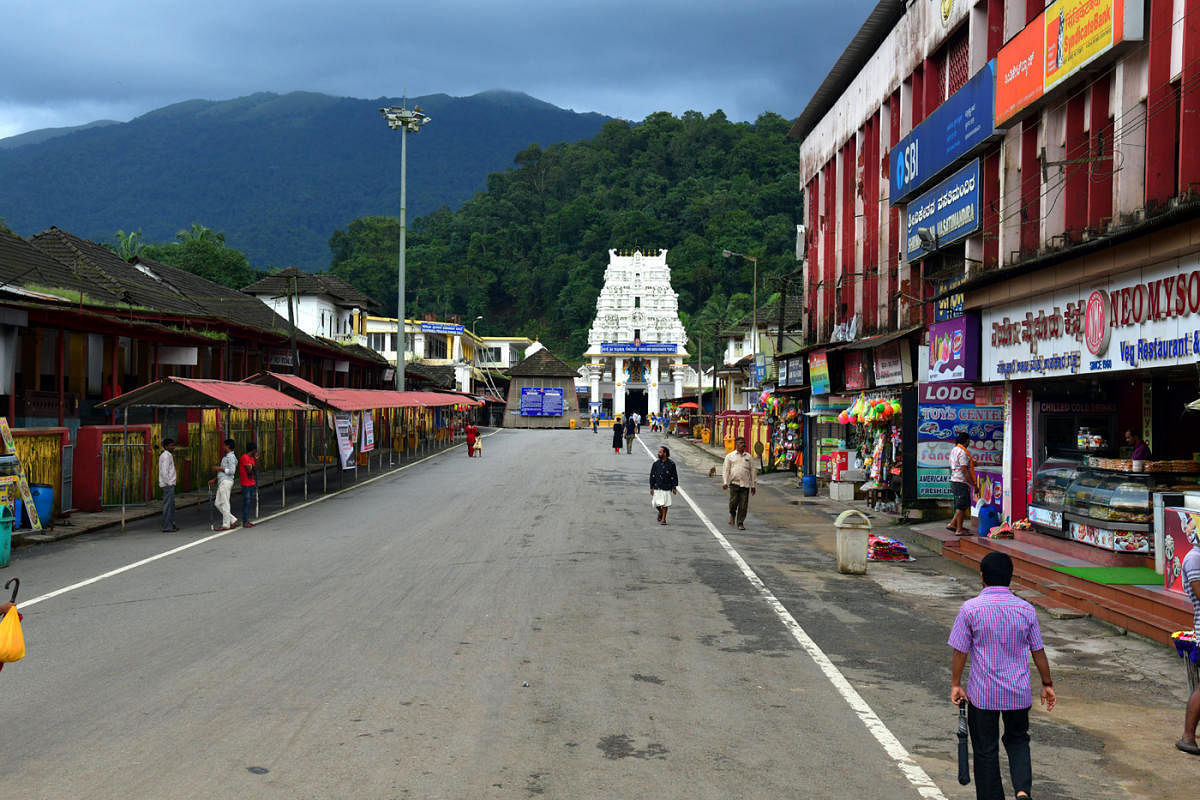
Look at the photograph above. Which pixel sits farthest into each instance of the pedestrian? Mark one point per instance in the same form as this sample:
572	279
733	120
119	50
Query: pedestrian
224	480
740	478
996	631
248	475
962	478
1190	572
618	433
595	424
630	432
472	435
1141	450
637	421
167	478
664	480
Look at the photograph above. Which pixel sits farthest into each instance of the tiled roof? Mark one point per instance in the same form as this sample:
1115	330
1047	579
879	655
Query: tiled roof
542	364
308	283
441	375
23	265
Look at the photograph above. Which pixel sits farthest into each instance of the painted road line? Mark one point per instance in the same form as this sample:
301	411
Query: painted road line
175	550
891	745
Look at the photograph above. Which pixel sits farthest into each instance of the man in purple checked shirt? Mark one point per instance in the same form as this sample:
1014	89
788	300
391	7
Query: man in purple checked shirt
998	631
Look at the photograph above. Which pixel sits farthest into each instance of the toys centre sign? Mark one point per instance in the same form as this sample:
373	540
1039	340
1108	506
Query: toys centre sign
1150	317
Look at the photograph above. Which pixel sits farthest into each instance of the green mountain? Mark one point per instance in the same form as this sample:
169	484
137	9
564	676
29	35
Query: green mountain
529	254
277	174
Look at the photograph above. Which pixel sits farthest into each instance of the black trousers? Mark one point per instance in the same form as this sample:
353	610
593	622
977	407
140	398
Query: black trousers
985	741
739	502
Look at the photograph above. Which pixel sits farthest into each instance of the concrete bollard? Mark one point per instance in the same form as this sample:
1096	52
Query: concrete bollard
852	542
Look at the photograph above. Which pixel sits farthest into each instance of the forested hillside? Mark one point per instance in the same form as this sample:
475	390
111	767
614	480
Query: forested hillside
529	252
273	173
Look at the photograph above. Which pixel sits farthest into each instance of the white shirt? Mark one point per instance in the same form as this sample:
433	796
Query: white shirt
959	459
166	469
738	470
228	467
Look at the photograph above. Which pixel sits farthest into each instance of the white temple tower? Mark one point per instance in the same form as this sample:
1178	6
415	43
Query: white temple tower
636	344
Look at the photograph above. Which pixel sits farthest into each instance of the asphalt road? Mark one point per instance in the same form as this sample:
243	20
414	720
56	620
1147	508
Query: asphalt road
514	626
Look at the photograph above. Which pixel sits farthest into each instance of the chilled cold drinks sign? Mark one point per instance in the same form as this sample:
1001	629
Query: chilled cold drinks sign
1148	317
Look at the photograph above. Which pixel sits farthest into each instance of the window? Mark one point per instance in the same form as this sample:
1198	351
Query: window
391	341
637	334
637	302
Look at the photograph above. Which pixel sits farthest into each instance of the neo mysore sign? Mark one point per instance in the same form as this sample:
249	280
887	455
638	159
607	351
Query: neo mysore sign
954	129
1153	314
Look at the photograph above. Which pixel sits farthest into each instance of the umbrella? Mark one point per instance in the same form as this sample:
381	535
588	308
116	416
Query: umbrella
688	405
964	769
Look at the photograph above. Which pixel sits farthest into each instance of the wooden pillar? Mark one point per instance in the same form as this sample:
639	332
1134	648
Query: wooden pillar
61	375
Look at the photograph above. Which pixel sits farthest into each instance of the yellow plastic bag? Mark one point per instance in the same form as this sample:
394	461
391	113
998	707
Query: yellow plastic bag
12	641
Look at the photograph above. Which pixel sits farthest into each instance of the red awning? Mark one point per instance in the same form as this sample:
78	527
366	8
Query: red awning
343	399
205	393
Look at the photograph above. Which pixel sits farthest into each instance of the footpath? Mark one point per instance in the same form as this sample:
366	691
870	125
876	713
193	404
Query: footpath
1146	610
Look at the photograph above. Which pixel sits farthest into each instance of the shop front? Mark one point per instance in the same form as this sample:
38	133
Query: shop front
1090	369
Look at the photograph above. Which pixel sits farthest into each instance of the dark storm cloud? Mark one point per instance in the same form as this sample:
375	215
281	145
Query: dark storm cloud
622	58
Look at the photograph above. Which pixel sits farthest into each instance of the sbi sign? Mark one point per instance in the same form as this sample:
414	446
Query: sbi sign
953	131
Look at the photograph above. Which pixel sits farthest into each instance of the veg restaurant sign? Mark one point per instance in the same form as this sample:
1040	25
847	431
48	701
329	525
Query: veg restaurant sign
1066	37
1146	318
954	129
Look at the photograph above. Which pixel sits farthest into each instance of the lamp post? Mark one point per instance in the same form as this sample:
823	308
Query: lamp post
754	311
406	121
473	324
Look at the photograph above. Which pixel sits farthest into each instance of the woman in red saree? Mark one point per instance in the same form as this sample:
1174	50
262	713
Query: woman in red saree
472	435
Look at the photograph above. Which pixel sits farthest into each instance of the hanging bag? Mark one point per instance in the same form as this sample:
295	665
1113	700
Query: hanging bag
12	640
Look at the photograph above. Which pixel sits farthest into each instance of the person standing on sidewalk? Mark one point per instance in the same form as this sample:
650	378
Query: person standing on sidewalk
224	481
167	478
248	477
630	432
962	478
1190	573
740	478
997	631
618	435
664	480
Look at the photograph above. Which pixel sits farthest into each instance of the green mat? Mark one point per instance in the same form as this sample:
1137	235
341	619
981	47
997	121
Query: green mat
1136	576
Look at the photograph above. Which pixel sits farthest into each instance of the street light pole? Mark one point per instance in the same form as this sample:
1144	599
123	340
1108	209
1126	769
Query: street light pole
406	121
754	311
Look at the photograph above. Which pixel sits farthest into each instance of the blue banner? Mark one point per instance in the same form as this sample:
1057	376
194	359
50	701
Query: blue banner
537	402
647	349
947	212
441	327
954	129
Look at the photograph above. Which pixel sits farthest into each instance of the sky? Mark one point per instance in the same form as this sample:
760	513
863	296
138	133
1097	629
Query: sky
73	63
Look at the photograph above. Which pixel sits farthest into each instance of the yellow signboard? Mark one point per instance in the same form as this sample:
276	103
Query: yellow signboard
1076	32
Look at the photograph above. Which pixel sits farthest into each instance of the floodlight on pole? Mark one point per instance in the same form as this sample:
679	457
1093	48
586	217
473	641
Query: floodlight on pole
406	121
754	312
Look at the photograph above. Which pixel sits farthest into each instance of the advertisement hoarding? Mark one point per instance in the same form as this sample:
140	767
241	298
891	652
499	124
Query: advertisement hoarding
818	371
938	423
954	129
954	350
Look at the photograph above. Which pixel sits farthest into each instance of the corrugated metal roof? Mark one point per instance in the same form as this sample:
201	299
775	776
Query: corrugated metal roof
343	399
205	393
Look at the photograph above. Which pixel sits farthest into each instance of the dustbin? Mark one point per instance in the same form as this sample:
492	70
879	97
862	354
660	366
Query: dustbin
852	538
809	483
43	502
6	524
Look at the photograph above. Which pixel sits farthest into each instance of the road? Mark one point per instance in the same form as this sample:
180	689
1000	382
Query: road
514	626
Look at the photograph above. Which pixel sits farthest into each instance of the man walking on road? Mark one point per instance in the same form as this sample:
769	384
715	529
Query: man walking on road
739	477
224	480
630	432
167	479
1190	571
248	475
664	479
997	630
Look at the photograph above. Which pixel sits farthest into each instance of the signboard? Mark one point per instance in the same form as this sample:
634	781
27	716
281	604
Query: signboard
187	356
343	426
441	327
954	129
1065	38
855	370
948	212
367	442
795	370
781	367
949	306
954	350
1148	317
638	348
818	371
541	402
890	362
939	422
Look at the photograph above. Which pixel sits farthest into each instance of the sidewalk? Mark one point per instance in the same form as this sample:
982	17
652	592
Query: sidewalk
1147	610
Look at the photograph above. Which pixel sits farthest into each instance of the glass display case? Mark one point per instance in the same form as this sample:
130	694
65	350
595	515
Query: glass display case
1049	492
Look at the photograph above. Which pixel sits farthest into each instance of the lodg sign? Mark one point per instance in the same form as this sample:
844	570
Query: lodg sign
1151	314
943	412
949	211
1066	37
952	132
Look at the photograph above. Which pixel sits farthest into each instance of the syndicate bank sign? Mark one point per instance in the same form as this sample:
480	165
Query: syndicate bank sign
1153	315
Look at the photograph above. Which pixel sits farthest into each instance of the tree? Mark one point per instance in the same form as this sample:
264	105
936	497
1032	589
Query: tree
128	245
202	251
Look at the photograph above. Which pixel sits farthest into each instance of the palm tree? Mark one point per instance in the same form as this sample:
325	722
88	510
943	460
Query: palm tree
129	245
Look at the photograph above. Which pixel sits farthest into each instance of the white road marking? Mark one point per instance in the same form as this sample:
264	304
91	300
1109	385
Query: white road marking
891	745
111	573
